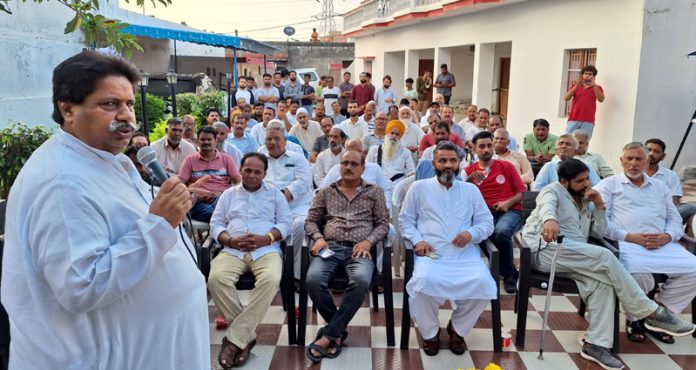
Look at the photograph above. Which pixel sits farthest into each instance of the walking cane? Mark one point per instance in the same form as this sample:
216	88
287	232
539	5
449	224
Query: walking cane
549	289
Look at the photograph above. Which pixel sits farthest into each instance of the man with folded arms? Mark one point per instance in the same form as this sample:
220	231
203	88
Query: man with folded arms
570	207
249	222
444	218
354	217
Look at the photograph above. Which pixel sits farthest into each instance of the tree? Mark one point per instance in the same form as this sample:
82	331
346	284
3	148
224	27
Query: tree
98	30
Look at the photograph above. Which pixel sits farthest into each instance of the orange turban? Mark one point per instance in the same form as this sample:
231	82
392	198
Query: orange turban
396	124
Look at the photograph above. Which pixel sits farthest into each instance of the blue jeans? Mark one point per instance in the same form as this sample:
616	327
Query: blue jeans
686	210
321	272
588	127
203	211
506	225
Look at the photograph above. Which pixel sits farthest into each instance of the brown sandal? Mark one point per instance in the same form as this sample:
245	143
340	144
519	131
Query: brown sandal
432	346
228	354
456	341
243	356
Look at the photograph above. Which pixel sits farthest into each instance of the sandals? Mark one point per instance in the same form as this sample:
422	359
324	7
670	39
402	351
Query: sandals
338	347
662	337
432	346
325	352
228	354
243	356
635	331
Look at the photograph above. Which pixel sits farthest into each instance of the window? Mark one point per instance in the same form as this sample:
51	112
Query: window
575	59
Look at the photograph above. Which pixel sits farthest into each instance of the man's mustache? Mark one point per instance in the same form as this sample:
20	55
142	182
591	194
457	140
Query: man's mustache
117	125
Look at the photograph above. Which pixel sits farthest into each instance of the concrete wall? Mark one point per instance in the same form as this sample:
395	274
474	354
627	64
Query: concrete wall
666	97
316	54
539	36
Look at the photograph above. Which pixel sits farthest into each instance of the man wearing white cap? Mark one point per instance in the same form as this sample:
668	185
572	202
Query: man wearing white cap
306	131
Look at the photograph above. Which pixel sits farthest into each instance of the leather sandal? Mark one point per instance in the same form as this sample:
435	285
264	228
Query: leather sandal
432	346
228	354
456	342
243	356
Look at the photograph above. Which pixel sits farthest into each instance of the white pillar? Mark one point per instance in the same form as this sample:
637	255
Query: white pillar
484	60
411	65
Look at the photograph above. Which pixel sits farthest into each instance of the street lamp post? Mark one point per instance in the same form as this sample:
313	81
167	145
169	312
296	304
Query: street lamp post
171	79
144	79
229	94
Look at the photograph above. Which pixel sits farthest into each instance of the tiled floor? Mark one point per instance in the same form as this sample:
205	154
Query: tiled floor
366	347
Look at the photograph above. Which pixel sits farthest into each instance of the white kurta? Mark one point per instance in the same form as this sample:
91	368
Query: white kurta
648	209
434	214
90	279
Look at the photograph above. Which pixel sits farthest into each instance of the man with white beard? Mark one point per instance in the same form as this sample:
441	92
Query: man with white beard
412	135
392	156
306	131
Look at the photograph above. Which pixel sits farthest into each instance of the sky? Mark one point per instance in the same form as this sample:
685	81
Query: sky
261	20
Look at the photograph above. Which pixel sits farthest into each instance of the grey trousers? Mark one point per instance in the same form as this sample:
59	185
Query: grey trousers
599	276
676	293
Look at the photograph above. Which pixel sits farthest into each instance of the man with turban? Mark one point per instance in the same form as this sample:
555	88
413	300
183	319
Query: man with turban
392	157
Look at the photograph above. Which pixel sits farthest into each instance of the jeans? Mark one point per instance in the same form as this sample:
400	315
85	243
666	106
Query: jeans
588	127
447	99
506	225
321	272
686	210
203	211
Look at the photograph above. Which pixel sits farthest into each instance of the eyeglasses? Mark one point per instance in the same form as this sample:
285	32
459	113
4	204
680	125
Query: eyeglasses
350	164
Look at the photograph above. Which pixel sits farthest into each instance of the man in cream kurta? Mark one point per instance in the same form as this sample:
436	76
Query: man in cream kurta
95	273
643	218
444	219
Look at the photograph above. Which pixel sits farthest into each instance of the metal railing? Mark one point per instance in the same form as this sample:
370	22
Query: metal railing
380	9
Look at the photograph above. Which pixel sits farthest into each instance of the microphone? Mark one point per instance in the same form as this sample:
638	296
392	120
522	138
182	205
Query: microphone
146	157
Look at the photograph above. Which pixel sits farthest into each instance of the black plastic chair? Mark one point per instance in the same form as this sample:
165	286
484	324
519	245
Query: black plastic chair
530	277
209	250
340	282
494	264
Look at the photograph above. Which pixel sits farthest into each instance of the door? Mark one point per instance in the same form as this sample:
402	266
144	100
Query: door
504	86
427	65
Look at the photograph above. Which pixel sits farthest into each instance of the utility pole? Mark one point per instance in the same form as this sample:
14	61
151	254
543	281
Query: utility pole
328	23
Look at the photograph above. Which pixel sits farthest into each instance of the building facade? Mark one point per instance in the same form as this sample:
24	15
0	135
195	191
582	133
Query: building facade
518	57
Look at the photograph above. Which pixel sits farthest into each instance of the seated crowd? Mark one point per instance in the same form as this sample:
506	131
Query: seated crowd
320	170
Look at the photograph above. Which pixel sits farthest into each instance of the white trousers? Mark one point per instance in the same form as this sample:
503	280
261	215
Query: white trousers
424	309
676	293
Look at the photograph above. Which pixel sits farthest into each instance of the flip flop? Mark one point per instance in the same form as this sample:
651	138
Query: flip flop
321	350
338	347
662	337
635	331
230	351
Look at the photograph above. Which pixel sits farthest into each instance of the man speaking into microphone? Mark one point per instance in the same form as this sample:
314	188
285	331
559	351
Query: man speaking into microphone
95	272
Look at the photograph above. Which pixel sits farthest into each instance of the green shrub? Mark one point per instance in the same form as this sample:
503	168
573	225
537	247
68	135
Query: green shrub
158	130
17	142
197	104
155	109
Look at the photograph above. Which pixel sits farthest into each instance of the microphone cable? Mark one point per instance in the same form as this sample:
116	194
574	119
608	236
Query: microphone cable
181	232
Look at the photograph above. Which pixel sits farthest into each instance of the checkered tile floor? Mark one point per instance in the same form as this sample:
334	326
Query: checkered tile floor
366	347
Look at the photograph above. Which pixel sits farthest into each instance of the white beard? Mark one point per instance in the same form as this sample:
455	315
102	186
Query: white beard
391	148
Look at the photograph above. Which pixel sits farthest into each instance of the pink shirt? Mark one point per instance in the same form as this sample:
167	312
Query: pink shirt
584	104
221	170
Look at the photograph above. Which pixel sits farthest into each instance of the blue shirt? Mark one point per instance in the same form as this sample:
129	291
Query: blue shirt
549	174
245	144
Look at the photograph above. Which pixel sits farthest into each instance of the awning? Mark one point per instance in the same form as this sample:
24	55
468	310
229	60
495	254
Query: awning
205	38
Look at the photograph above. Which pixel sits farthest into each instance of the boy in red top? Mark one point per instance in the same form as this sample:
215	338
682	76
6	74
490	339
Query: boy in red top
220	168
501	187
585	94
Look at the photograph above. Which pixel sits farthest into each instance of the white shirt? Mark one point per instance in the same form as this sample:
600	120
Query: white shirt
401	163
258	132
90	276
435	214
171	159
330	95
412	136
291	171
471	132
372	174
383	94
671	179
645	209
307	136
242	93
325	161
466	124
354	130
239	212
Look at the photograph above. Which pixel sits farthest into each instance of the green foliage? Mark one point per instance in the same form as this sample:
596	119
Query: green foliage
17	142
197	104
155	109
158	130
99	31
